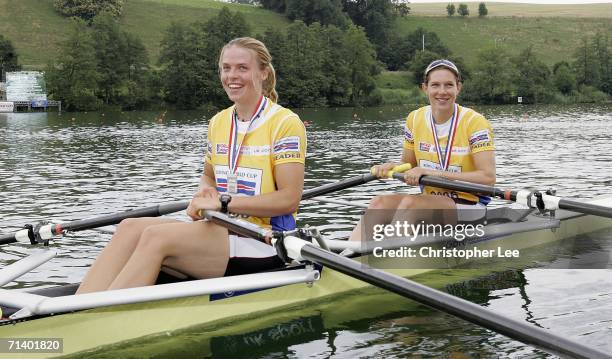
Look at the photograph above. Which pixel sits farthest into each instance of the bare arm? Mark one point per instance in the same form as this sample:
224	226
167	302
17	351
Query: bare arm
208	177
408	156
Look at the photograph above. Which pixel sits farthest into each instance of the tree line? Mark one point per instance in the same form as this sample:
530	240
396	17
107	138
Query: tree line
463	10
499	78
101	65
376	17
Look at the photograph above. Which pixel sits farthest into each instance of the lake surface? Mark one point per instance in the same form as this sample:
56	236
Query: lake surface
76	165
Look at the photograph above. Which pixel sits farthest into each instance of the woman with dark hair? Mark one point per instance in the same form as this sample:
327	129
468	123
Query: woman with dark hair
443	139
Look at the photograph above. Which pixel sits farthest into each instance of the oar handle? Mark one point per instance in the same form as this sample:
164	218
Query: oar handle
395	170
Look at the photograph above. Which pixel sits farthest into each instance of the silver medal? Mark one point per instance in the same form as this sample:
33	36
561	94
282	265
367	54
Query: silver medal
232	183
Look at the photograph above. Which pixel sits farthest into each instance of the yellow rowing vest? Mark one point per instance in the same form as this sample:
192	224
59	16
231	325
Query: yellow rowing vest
277	136
473	134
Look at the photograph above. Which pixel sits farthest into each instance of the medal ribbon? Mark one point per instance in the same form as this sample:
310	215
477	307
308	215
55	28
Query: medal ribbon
233	146
445	161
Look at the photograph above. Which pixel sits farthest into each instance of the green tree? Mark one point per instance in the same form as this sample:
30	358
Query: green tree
563	78
323	65
274	5
363	67
181	67
189	59
482	10
212	36
463	10
401	7
601	48
336	67
450	9
401	50
492	80
110	51
88	9
325	12
137	88
73	78
375	16
122	64
585	64
533	80
301	76
8	57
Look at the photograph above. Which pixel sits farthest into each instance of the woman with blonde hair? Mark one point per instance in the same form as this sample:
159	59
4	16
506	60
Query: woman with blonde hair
254	167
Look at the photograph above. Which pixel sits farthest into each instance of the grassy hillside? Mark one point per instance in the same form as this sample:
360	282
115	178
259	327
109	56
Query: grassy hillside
520	10
36	30
148	19
553	39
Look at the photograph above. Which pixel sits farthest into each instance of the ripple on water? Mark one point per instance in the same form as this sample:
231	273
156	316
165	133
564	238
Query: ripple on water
59	168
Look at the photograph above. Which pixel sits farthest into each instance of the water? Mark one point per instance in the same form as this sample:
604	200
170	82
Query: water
72	166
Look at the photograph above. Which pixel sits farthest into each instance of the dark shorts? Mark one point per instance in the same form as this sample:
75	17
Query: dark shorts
245	265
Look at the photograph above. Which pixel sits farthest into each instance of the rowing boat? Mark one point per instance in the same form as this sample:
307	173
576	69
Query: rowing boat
122	315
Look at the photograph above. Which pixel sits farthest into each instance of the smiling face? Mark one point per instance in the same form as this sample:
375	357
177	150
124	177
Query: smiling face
442	88
241	75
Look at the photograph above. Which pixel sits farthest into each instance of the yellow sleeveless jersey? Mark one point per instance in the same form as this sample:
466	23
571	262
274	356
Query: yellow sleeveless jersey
275	137
472	134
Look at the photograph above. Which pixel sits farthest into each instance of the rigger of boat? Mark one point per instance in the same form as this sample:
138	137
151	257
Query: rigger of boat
316	268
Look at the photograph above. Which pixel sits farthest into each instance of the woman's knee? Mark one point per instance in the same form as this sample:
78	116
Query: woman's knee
383	202
131	226
408	202
127	233
153	241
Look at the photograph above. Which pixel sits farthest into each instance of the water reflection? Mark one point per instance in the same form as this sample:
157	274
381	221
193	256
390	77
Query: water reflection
72	166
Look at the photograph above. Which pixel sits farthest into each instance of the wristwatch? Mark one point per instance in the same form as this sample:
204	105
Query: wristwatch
225	200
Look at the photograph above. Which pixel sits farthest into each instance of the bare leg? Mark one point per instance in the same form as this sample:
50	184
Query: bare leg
199	249
429	209
408	208
116	253
380	210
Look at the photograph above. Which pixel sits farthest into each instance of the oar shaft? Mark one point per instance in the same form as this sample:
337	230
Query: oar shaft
588	208
513	195
238	226
153	211
337	186
452	305
89	223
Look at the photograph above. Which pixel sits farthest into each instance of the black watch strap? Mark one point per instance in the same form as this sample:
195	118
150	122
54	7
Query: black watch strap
225	200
